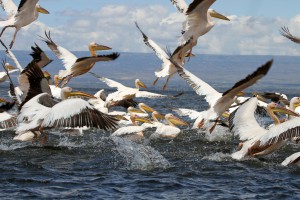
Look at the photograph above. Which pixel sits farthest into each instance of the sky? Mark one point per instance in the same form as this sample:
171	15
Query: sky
253	29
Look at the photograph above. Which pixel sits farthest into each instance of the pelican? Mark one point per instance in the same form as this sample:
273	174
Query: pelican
167	68
77	66
286	33
10	69
199	19
166	130
134	132
40	111
218	102
243	123
293	159
18	17
126	93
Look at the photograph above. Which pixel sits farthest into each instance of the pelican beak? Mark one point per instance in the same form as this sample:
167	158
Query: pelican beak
141	84
134	110
120	117
42	10
241	94
99	47
81	94
47	75
296	105
146	108
159	116
284	110
9	67
189	54
143	120
177	121
226	114
215	14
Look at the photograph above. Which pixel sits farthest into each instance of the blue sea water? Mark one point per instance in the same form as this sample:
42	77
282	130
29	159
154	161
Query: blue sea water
192	166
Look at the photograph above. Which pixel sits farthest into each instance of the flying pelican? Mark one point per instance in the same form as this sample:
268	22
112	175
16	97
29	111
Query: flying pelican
167	68
199	19
77	66
243	123
126	93
218	102
286	33
293	159
18	17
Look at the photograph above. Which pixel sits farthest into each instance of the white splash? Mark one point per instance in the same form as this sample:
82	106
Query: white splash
138	156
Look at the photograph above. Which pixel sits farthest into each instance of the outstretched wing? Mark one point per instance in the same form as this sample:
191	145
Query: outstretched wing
286	33
198	85
109	82
61	53
181	5
9	7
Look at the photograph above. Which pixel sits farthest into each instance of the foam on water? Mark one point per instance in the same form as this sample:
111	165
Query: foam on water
138	156
219	157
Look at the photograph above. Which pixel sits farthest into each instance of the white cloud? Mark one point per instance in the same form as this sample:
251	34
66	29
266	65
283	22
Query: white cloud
113	25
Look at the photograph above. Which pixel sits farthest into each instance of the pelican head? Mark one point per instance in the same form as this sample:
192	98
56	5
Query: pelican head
93	46
295	102
135	118
8	67
67	92
139	84
275	107
41	9
145	108
157	115
215	14
175	120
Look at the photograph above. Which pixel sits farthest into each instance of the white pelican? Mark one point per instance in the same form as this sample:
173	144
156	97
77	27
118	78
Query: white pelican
167	68
167	130
199	19
218	102
40	110
293	159
244	124
10	69
126	93
18	17
286	33
77	66
134	132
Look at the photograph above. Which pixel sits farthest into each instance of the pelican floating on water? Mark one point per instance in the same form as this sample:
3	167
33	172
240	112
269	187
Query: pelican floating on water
18	17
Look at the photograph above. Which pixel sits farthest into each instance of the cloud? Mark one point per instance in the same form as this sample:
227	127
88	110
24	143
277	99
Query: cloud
113	25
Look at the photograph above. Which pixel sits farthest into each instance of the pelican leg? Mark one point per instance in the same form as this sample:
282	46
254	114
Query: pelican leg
155	81
165	85
4	29
35	137
44	137
214	126
200	124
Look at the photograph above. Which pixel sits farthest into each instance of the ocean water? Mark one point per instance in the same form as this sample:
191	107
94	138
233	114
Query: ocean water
192	166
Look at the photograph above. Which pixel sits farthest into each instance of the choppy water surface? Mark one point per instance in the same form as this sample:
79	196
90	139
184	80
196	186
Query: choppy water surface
193	165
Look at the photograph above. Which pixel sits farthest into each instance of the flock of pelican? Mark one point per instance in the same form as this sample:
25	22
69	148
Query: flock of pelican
44	103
